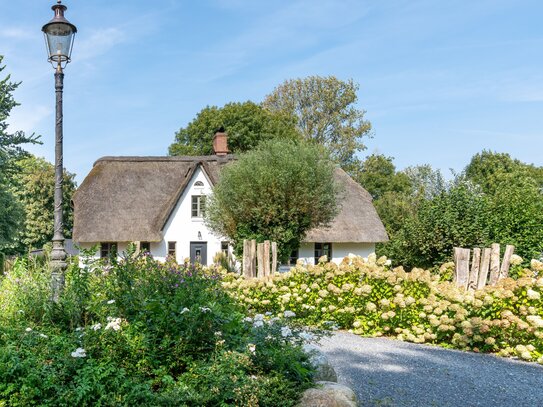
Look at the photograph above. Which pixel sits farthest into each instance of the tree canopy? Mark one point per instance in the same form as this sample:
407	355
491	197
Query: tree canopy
496	199
326	113
247	125
11	213
34	189
278	191
488	168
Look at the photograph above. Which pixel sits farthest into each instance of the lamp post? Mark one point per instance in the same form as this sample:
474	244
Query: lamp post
59	35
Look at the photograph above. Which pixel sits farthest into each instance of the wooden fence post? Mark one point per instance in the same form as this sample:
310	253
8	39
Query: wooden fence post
483	271
266	256
504	270
247	259
494	263
474	271
274	257
253	258
260	260
461	257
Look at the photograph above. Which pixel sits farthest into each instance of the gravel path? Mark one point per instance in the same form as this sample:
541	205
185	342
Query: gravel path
385	372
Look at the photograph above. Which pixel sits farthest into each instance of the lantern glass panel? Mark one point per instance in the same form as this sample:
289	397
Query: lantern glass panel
59	39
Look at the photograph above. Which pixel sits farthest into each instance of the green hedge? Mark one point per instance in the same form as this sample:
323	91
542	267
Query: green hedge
369	298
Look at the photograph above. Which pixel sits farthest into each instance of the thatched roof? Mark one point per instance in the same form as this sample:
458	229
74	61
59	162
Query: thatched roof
357	220
126	199
131	198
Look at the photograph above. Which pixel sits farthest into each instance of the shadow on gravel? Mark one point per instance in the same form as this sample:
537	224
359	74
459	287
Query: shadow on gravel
385	372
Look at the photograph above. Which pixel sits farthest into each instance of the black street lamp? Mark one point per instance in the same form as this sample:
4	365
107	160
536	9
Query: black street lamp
59	36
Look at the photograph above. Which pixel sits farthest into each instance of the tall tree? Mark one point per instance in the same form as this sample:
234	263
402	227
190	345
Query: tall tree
10	152
487	169
326	112
278	191
34	188
378	175
247	125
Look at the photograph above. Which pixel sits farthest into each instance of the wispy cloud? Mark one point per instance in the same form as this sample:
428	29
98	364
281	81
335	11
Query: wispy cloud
29	118
17	33
99	42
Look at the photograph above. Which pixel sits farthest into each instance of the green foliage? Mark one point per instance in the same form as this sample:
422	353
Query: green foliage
378	176
326	113
372	299
34	188
11	214
516	215
277	192
488	168
247	125
495	200
457	217
138	332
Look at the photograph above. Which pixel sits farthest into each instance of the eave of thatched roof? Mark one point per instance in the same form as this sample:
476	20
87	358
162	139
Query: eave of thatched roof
357	220
131	198
126	199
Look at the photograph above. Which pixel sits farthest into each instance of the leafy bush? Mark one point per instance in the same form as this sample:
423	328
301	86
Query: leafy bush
138	332
369	298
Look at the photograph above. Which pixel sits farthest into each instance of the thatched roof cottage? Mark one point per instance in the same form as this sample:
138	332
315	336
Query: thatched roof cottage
157	201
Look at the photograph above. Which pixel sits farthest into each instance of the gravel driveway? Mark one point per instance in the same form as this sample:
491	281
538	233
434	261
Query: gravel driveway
385	372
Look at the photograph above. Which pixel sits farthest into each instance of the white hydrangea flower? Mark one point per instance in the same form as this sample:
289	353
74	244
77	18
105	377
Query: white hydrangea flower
96	327
516	260
252	348
259	317
289	314
43	336
248	319
28	329
533	295
205	309
79	353
111	301
184	310
258	324
286	332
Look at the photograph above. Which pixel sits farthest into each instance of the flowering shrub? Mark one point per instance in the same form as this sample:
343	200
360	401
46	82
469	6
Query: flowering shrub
369	298
138	332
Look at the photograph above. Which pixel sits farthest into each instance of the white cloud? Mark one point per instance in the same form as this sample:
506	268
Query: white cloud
17	33
99	42
29	118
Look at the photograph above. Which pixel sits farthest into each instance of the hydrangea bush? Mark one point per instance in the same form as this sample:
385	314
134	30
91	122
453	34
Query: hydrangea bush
138	332
368	297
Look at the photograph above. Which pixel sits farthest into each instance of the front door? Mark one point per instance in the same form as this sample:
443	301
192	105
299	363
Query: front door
198	253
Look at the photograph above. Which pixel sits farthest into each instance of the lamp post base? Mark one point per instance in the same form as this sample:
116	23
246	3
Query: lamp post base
58	268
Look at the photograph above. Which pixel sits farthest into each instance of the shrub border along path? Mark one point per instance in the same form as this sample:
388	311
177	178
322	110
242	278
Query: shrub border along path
386	372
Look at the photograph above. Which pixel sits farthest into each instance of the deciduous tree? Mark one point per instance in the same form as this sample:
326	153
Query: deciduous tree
247	125
278	191
326	113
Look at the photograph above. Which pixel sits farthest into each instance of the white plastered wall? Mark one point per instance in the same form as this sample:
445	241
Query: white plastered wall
339	251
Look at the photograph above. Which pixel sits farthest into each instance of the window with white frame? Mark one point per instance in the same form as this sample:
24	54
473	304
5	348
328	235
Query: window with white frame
198	206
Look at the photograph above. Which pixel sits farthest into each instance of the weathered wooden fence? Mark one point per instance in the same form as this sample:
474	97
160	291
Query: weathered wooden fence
485	266
259	259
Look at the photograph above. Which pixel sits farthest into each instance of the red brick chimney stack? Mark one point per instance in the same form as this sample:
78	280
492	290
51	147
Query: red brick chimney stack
220	142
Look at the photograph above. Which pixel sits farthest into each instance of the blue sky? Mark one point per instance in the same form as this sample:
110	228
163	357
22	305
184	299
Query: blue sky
439	80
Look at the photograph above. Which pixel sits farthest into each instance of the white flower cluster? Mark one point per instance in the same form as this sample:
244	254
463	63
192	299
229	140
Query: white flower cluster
79	353
113	323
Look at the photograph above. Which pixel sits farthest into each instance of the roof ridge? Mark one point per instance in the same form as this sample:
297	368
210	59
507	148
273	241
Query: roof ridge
182	158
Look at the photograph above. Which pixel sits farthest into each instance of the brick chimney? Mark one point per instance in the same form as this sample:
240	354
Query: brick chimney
220	142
